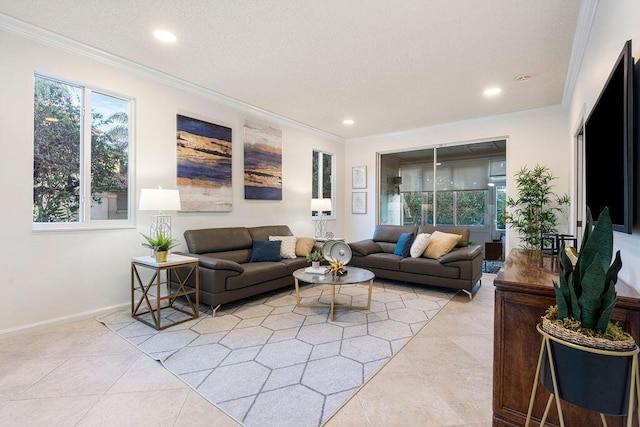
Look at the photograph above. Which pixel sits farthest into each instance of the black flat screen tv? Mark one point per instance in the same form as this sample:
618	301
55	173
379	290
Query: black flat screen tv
609	147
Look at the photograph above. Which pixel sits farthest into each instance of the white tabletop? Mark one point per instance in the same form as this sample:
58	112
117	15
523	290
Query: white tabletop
172	259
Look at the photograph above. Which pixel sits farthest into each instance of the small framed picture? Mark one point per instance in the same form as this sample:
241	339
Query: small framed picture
359	177
359	202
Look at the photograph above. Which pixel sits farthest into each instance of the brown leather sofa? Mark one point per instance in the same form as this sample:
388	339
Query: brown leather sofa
459	269
226	273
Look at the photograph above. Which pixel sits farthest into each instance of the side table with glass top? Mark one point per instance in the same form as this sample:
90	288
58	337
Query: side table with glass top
354	275
156	297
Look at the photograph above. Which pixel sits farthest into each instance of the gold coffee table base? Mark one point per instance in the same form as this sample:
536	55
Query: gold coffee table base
362	276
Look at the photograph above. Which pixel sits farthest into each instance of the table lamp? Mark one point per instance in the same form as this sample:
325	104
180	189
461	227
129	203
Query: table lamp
321	206
159	199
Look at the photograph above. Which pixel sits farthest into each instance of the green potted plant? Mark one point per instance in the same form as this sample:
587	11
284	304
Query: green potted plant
160	245
534	212
592	357
315	258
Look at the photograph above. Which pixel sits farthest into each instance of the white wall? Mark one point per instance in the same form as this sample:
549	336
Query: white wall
57	274
537	136
615	22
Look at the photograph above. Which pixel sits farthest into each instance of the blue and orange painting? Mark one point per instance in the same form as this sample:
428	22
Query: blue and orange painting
262	161
204	165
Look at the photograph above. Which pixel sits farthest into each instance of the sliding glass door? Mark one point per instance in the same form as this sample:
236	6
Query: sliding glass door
458	185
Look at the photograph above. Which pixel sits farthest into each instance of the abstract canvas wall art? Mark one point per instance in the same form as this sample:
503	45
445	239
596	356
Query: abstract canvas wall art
262	161
204	165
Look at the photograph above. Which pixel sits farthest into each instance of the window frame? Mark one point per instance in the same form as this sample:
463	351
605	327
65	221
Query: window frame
84	213
322	153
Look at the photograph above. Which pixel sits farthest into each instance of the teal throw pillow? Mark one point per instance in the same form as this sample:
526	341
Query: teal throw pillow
403	247
265	250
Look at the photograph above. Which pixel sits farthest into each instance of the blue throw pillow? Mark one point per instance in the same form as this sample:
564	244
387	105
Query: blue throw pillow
403	247
265	250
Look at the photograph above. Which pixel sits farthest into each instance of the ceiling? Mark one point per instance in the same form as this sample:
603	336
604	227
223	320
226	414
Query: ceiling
390	65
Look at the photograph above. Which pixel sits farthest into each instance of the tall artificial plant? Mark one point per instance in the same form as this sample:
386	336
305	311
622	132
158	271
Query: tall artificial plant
586	292
534	212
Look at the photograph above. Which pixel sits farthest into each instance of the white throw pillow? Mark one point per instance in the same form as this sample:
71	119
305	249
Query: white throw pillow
287	247
420	245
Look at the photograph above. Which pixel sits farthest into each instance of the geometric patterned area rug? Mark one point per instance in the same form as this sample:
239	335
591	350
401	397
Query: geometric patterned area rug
266	362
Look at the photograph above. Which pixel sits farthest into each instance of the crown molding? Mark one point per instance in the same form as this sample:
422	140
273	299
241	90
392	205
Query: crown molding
58	41
580	39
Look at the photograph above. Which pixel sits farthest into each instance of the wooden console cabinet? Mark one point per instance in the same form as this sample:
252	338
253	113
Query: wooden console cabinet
524	290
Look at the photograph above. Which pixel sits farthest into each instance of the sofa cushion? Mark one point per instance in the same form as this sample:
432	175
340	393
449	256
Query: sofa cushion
429	267
263	232
441	244
365	247
265	250
384	261
404	244
304	245
240	256
391	233
294	264
287	245
419	245
255	273
217	239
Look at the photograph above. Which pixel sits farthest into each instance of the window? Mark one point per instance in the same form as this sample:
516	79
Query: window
82	145
461	208
322	182
501	205
452	186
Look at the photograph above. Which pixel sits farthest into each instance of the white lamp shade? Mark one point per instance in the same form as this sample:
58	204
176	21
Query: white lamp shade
322	205
159	199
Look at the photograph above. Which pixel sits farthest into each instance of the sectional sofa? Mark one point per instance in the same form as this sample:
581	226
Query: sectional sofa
461	268
227	272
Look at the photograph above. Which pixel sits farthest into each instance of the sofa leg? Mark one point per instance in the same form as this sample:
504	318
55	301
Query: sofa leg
214	310
473	290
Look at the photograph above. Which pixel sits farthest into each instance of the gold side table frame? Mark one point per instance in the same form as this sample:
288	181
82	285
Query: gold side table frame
634	390
360	276
171	271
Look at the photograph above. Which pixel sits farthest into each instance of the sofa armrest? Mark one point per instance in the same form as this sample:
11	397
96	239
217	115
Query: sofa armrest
215	263
365	247
461	254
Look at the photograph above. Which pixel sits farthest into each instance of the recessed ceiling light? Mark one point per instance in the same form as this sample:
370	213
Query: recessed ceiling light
165	36
348	122
492	91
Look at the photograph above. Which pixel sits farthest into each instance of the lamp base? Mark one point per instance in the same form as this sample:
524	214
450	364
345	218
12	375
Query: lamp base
160	224
319	226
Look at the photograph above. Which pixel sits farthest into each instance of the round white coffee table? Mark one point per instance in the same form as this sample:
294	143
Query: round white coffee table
354	275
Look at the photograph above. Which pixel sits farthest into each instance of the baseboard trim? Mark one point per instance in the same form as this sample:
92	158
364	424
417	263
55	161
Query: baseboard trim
34	327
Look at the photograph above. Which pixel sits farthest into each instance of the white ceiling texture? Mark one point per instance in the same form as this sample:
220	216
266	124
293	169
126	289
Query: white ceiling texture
390	65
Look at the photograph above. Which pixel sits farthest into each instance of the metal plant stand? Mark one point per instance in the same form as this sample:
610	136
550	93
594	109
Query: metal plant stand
546	352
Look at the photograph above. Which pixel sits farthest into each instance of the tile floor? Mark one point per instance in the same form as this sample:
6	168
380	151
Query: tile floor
82	374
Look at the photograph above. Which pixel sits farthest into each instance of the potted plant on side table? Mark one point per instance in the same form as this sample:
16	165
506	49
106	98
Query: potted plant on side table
585	359
160	245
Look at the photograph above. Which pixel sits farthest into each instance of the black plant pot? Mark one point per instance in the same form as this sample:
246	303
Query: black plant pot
589	379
